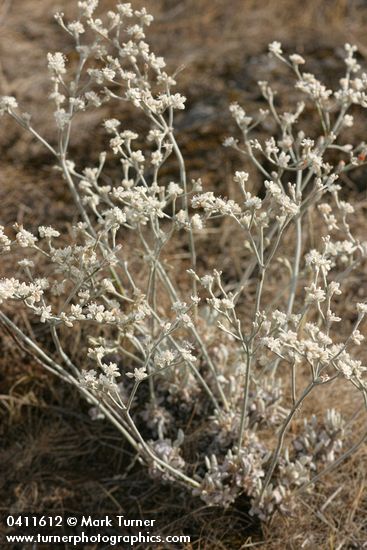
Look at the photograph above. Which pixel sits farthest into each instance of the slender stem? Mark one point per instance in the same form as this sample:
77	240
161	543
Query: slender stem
296	264
183	179
282	433
245	397
294	396
132	395
75	194
297	254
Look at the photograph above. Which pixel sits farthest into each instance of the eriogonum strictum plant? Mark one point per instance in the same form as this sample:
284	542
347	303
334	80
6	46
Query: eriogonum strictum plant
163	357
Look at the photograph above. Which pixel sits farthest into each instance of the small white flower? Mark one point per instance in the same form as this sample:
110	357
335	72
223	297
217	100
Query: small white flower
111	370
331	317
93	99
5	242
45	312
26	263
8	288
111	124
275	48
164	358
197	222
230	142
25	238
76	28
108	73
207	281
7	104
139	374
177	101
314	294
227	303
76	312
241	177
348	121
357	337
297	59
56	63
187	355
174	189
362	309
125	9
115	144
156	158
47	232
62	118
88	379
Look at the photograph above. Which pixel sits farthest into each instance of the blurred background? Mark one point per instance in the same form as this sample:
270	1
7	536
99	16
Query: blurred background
220	47
53	457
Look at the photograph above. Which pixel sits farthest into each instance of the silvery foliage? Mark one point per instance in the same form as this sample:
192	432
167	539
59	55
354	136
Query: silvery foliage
157	351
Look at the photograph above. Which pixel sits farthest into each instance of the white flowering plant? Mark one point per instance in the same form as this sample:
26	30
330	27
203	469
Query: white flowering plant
165	353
